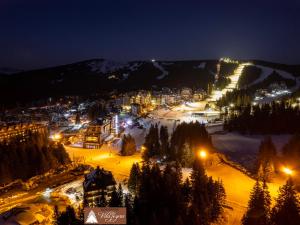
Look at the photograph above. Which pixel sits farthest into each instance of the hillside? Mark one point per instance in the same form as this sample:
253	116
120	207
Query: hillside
102	76
99	76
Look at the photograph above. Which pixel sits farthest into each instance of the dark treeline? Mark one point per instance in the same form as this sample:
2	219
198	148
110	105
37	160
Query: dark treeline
275	118
185	140
286	210
226	69
269	161
222	82
239	98
249	75
291	152
128	145
162	198
34	156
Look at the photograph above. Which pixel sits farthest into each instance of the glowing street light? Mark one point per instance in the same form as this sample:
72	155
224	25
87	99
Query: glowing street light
287	171
202	154
56	137
143	148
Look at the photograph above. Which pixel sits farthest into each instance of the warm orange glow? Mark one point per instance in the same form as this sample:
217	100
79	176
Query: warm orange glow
143	148
56	137
202	154
287	171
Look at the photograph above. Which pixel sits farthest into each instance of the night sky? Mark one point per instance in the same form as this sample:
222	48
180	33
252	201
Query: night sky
39	33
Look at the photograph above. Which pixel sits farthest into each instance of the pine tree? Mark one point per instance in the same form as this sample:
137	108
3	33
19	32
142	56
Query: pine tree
267	201
287	208
68	217
133	181
129	209
217	198
77	119
186	191
258	207
266	159
200	199
149	144
128	145
156	141
164	140
291	151
115	200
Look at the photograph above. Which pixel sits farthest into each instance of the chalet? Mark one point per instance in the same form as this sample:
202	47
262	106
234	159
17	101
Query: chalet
97	184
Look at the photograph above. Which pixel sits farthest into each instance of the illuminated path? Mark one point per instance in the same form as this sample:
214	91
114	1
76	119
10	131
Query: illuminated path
234	78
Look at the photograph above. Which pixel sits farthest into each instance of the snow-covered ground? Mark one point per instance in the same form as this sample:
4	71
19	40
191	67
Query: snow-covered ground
243	148
105	66
201	65
266	71
158	66
29	214
186	112
134	66
108	158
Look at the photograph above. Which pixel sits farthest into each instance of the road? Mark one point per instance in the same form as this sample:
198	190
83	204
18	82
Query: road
40	194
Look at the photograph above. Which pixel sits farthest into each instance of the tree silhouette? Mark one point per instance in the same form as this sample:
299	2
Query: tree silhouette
287	208
258	211
133	181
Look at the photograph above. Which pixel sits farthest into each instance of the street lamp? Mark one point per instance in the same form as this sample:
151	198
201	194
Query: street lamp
143	148
287	171
56	137
202	154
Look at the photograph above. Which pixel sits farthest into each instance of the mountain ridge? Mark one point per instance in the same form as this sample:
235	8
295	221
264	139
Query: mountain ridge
103	75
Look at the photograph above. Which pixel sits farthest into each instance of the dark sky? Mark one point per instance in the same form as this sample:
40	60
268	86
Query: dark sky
38	33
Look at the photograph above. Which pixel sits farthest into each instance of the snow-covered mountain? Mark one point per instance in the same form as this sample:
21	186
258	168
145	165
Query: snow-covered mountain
102	75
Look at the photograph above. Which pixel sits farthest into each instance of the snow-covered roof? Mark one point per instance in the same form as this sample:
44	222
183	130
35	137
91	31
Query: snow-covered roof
98	179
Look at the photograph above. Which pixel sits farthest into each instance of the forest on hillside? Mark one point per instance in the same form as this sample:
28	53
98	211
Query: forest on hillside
275	118
34	156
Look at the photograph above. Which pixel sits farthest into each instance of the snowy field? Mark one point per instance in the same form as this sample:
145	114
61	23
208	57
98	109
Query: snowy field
237	147
267	71
242	148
